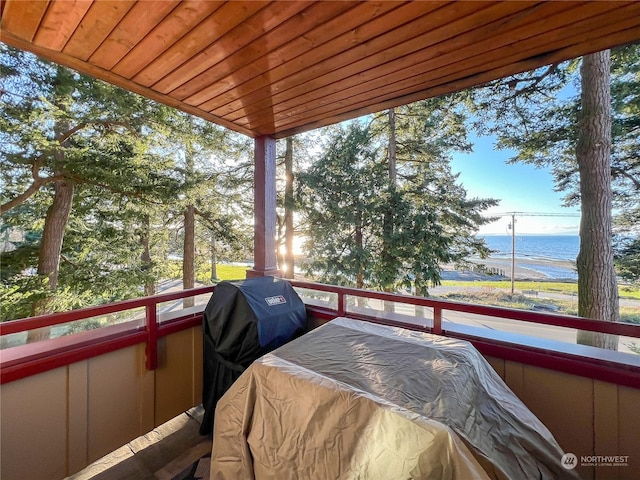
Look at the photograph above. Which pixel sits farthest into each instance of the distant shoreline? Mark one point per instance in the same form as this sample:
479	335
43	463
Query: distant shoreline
525	269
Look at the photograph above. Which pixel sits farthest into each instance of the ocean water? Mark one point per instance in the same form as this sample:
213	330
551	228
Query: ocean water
539	253
539	247
544	247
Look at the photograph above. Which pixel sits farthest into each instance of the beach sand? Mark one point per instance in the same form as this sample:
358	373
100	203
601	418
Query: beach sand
525	269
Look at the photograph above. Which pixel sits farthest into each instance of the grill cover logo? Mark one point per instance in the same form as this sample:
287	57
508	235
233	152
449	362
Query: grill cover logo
277	300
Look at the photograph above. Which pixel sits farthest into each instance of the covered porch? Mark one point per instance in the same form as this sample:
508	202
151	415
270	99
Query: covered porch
270	70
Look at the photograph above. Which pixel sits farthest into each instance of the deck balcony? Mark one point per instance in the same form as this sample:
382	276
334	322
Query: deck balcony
84	393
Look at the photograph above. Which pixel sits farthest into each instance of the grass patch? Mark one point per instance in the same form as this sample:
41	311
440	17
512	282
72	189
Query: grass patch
231	272
630	314
497	298
203	272
625	291
491	297
560	287
629	291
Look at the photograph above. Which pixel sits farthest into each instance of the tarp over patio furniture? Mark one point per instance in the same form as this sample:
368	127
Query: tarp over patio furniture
357	400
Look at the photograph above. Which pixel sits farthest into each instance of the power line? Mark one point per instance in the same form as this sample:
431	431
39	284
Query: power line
534	214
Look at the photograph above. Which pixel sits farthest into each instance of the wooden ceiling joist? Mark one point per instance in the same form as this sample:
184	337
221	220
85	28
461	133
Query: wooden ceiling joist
280	67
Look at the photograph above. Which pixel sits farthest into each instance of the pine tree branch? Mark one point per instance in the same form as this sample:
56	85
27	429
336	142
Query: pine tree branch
64	136
533	82
37	183
619	172
129	193
33	188
206	216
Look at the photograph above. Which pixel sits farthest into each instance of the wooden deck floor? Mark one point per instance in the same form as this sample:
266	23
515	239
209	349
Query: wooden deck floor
166	453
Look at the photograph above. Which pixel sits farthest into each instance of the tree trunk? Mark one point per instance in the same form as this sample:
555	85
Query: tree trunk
188	254
392	147
388	217
55	224
189	245
145	258
214	258
57	216
288	210
420	311
359	246
597	284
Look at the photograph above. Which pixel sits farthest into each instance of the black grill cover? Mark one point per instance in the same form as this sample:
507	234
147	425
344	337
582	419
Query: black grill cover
243	320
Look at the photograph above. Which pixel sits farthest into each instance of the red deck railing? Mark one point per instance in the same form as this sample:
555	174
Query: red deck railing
26	360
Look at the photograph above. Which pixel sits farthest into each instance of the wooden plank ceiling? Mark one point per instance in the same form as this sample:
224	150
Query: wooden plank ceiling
278	68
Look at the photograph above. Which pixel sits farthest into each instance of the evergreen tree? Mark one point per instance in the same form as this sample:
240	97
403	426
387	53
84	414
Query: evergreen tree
590	141
625	159
428	220
75	163
293	152
384	208
214	207
339	198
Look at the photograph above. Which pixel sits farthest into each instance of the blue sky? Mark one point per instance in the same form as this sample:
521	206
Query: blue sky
520	188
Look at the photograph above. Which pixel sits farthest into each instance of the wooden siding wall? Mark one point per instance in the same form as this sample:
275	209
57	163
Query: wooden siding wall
58	422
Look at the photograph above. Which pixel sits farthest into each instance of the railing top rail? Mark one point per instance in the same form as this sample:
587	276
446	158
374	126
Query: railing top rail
49	320
33	358
600	326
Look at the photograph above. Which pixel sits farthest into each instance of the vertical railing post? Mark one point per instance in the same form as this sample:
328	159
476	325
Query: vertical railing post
341	310
152	336
437	320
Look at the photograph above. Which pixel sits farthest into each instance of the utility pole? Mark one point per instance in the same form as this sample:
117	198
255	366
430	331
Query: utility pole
512	226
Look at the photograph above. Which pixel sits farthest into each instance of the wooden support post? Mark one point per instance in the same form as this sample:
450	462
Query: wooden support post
264	188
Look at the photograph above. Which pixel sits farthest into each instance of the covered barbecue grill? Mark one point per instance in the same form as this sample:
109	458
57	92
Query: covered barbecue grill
243	320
